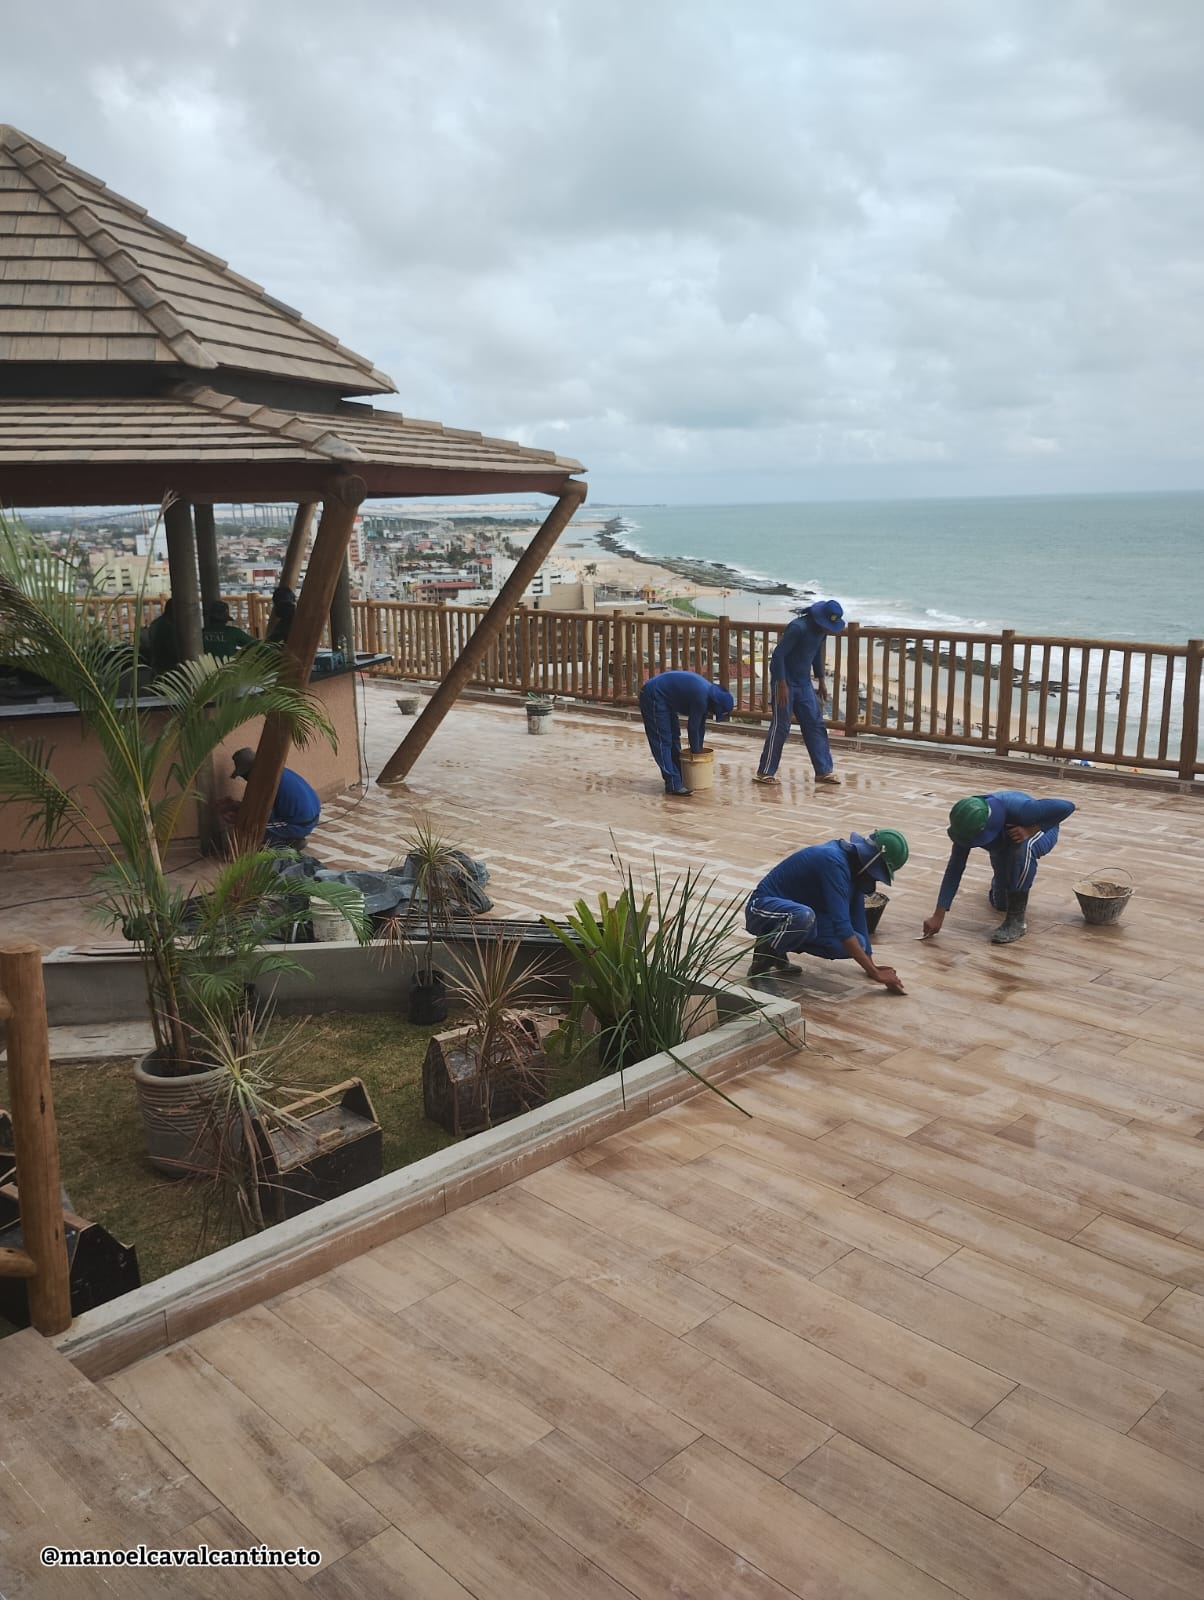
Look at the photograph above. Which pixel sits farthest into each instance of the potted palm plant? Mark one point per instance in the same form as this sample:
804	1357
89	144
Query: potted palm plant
443	887
494	1065
198	956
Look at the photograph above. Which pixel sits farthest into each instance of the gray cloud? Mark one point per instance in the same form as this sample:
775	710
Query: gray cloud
784	248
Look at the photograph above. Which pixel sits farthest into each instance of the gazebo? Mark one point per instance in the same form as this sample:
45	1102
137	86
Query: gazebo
136	368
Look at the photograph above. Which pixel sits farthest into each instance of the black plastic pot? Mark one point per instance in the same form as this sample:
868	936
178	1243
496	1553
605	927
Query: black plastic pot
875	905
427	1001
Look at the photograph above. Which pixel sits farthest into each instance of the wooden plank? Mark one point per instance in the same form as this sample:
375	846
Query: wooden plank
449	1399
862	1407
712	1398
1135	1293
994	1341
967	1180
1117	1466
974	1555
885	1348
320	1403
242	1456
1106	1540
480	1537
620	1425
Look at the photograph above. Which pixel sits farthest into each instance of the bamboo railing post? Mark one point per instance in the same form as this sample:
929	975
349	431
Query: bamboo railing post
725	653
852	678
1003	713
35	1137
1189	741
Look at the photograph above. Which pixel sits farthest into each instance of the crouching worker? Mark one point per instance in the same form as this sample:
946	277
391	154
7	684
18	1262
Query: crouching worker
1016	831
296	810
813	903
671	695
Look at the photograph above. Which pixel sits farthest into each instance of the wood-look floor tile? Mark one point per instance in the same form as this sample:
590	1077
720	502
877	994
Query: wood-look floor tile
908	1361
815	1555
996	1342
650	1230
1148	1251
1181	1313
851	1402
389	1567
1117	1466
1095	1277
480	1537
651	1549
975	1555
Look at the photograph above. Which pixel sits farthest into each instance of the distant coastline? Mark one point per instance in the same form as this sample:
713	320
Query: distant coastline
708	574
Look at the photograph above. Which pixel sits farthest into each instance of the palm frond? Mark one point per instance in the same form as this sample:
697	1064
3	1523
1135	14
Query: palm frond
26	778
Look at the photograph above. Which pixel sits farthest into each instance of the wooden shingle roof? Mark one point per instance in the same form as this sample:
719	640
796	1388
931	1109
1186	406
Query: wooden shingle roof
88	277
201	444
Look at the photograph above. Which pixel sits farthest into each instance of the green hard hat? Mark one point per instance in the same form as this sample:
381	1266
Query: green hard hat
968	818
893	846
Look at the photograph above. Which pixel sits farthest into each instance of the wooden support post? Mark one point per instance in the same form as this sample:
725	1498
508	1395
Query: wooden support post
298	544
313	607
342	619
488	629
35	1138
1189	742
206	555
852	679
1007	672
185	585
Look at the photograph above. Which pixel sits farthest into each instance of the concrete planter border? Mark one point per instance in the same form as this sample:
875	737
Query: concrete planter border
112	1336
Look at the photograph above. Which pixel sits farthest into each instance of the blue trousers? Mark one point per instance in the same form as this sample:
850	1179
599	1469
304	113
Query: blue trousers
805	709
1014	866
664	738
793	929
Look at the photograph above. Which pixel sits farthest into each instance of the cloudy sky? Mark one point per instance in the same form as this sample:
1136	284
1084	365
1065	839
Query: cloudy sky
776	249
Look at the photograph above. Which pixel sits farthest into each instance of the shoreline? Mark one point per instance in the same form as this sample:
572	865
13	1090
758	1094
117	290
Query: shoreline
714	576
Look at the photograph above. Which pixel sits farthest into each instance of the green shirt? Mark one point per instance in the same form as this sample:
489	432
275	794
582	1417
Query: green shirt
225	641
161	646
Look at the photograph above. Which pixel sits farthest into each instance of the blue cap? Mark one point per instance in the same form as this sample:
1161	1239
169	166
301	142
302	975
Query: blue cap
721	702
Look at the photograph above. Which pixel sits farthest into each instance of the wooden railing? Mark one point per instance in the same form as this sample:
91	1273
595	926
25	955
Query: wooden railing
42	1258
1097	700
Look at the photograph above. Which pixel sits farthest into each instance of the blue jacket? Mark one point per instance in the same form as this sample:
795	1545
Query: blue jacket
823	876
1006	808
689	694
799	652
296	804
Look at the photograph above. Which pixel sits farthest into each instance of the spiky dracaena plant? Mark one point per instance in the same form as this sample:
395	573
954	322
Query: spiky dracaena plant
152	765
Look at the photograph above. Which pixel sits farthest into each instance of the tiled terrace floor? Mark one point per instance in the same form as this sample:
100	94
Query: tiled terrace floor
930	1324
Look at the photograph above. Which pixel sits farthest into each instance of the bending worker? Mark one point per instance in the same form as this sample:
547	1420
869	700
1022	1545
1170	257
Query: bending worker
1016	831
799	654
814	903
665	698
296	810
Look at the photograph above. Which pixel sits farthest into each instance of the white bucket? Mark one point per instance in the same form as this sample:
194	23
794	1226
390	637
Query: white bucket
539	719
331	926
698	771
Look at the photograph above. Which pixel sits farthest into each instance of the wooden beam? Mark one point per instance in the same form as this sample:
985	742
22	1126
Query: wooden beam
488	629
342	618
326	560
298	544
185	584
206	555
35	1136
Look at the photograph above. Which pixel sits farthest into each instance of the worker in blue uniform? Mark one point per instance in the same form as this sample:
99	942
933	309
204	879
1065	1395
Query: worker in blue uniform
296	810
797	658
1016	831
813	903
663	700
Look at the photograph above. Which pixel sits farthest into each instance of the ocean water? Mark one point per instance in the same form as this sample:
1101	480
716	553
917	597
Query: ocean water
1125	567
